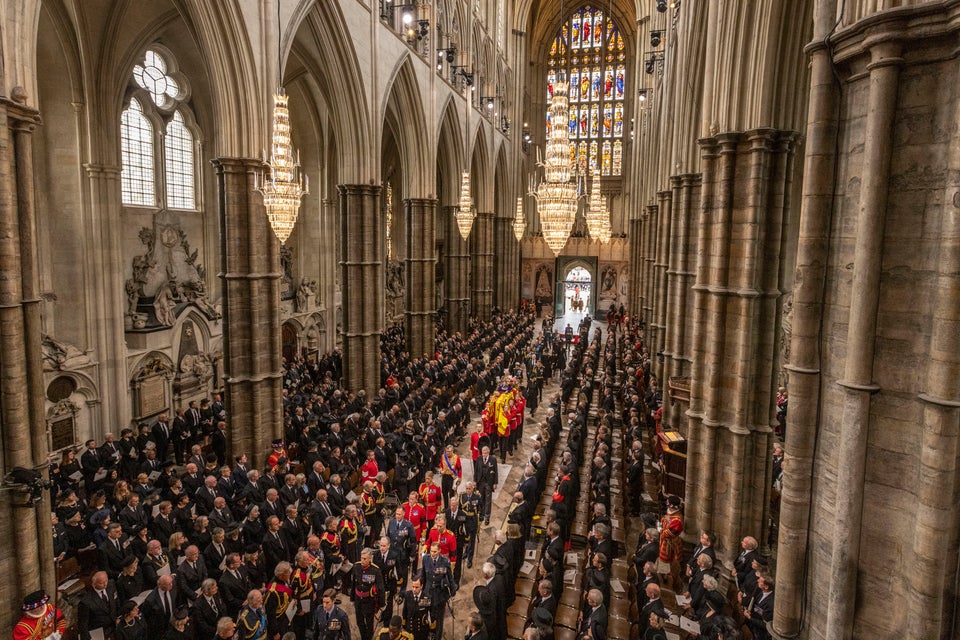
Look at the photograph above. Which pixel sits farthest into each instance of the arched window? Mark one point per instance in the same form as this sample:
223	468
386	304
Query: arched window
589	49
136	153
178	145
142	125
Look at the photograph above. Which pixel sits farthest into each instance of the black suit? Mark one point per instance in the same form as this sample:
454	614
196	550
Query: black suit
549	603
94	613
234	590
522	515
212	558
163	527
221	518
274	551
205	615
111	557
498	591
89	465
487	478
190	578
218	442
595	621
157	619
160	434
204	500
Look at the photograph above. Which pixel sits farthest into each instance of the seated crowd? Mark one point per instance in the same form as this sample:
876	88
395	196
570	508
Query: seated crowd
363	498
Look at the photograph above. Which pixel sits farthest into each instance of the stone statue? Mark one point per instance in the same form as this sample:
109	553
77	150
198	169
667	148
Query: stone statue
163	306
132	290
59	355
395	278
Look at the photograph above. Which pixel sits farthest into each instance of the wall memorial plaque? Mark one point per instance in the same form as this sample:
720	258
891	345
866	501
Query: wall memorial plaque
153	395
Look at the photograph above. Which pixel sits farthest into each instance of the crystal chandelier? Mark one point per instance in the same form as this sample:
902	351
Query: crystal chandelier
286	185
519	222
597	218
464	214
556	196
603	235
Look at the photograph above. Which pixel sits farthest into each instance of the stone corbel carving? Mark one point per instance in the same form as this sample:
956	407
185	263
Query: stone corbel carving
58	356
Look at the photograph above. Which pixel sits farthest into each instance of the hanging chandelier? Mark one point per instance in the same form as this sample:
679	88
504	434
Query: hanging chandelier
286	185
605	231
464	214
597	218
556	196
519	222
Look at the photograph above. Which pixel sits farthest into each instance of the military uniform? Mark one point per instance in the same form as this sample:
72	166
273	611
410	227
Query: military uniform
251	624
470	505
332	625
367	594
418	615
349	538
439	585
385	635
302	584
394	577
371	514
276	598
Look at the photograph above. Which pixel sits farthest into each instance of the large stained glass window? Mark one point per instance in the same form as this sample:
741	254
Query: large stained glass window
589	49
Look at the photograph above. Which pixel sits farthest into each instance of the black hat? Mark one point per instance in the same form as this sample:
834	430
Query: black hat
128	561
542	617
673	501
128	607
232	528
277	444
69	512
35	600
251	548
182	613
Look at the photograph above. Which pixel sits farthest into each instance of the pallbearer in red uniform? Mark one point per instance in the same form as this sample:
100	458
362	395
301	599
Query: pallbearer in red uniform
41	620
431	496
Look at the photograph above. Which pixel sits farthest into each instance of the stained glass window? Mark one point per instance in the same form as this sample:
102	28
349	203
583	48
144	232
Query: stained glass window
136	153
178	145
589	49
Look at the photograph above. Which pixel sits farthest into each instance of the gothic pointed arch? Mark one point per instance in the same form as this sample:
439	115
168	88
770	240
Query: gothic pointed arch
404	114
319	45
450	156
481	179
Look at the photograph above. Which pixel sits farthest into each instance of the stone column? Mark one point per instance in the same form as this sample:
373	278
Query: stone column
931	594
662	253
701	437
857	382
735	366
250	259
421	218
671	292
457	276
636	248
362	278
804	366
24	437
679	276
506	265
650	252
481	246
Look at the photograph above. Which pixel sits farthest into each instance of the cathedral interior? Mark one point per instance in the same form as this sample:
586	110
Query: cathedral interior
781	188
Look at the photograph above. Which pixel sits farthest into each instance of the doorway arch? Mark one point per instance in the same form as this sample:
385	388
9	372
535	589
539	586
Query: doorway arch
576	280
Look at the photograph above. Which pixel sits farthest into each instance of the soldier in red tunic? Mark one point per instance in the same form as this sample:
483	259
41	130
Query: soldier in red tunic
432	497
40	621
445	538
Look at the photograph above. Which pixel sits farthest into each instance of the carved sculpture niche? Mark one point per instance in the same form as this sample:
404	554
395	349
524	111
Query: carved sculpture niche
166	278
